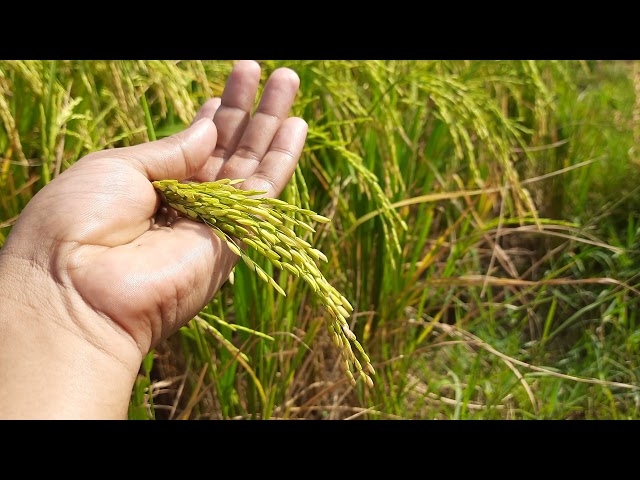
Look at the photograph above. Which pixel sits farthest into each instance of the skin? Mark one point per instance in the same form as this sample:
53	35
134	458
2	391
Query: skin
96	272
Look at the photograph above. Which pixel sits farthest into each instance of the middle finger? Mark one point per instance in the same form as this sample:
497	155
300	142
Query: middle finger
275	105
232	115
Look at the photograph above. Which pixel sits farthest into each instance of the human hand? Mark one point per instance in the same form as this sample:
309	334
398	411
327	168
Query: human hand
108	272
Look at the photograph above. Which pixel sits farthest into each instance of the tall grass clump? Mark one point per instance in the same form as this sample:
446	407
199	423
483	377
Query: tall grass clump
484	229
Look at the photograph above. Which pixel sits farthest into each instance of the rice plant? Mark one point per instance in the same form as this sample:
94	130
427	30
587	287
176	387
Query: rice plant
484	226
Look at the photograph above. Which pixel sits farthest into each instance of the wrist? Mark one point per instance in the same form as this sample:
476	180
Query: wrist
58	360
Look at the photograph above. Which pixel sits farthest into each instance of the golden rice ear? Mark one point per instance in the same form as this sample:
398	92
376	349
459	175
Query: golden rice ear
259	223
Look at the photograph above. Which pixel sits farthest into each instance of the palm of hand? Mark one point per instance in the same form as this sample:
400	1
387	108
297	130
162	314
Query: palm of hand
99	234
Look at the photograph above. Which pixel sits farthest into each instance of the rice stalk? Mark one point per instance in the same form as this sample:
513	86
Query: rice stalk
267	226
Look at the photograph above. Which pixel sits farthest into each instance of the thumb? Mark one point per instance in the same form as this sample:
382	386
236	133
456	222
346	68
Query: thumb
176	157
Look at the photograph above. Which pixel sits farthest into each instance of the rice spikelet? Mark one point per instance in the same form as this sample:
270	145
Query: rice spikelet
260	223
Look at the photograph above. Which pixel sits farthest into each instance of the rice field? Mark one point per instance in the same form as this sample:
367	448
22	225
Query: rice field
485	221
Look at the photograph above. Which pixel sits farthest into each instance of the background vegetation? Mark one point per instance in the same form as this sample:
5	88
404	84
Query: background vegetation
486	220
